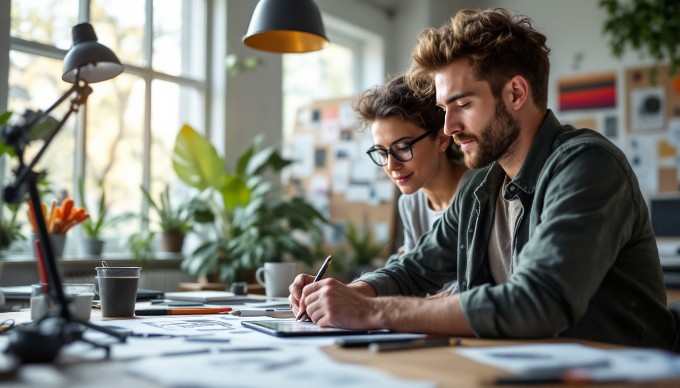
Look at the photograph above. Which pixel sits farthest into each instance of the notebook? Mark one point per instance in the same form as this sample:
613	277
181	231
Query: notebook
293	328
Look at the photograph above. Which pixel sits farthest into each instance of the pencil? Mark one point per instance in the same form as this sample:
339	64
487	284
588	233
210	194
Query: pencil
319	275
192	311
414	344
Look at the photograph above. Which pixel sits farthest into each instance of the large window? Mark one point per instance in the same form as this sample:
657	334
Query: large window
351	63
125	135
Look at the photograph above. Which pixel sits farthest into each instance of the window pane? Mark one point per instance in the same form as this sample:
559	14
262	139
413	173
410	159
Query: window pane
179	37
115	146
120	26
186	104
314	76
44	21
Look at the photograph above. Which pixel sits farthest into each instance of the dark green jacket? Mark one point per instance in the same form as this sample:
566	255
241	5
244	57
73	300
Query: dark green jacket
584	257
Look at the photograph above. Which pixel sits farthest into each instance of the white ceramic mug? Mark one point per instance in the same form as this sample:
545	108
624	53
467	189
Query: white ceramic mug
276	277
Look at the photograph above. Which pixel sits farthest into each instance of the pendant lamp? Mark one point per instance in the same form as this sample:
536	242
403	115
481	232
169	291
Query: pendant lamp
286	26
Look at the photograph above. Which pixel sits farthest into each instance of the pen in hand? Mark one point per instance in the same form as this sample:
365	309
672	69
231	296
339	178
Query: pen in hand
319	275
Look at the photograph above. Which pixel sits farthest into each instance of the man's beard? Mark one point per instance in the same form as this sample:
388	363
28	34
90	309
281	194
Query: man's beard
497	139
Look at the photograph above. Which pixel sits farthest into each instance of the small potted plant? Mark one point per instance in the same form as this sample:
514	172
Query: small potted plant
10	230
362	251
96	223
175	221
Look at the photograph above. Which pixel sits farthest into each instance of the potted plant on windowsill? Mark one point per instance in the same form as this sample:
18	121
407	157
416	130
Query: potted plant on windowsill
245	221
95	225
175	222
10	229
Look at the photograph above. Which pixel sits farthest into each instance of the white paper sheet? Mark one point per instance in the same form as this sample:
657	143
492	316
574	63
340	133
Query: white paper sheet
298	367
597	365
528	358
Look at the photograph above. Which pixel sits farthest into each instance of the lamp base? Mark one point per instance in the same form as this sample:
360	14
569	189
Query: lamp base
41	340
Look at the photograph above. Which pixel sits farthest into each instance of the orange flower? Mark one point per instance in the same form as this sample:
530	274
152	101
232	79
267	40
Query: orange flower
59	219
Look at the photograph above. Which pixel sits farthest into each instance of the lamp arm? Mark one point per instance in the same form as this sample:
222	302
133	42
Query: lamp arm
82	89
42	115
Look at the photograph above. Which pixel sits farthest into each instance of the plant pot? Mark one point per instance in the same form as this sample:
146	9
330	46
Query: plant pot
172	241
91	247
57	241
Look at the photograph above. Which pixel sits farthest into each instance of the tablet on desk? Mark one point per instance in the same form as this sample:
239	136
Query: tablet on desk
293	328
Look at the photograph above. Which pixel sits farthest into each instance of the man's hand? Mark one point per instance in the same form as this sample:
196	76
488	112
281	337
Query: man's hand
329	302
295	290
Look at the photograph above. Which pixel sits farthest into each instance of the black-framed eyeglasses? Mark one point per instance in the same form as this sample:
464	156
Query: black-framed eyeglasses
402	151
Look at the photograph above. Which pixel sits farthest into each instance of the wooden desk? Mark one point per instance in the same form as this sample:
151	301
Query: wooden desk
673	294
441	365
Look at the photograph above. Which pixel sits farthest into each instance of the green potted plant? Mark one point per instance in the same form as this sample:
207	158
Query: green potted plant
175	221
361	251
95	225
10	230
141	245
247	221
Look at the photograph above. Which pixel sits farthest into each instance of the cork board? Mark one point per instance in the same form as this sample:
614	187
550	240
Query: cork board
334	173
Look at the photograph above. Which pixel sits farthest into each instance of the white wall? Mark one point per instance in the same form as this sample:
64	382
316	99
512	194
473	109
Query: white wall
253	98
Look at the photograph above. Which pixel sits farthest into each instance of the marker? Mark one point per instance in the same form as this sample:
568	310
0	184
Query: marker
318	277
196	311
413	344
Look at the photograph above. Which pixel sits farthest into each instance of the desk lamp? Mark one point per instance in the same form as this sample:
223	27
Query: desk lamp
286	26
86	62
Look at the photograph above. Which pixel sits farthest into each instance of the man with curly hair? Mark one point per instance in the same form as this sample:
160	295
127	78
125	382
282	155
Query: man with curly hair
549	237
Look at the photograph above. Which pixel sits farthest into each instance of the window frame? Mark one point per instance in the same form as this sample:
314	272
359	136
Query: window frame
146	73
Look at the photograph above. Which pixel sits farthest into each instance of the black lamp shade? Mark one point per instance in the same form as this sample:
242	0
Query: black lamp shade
286	26
96	62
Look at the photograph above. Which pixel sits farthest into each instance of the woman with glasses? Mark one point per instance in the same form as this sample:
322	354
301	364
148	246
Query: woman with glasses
414	152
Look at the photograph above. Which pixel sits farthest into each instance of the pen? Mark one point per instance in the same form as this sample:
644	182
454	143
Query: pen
181	311
414	344
319	275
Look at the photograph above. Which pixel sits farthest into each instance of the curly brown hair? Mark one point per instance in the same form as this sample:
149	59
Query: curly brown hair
498	45
396	99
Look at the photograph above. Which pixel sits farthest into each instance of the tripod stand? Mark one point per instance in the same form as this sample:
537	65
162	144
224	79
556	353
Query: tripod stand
41	340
